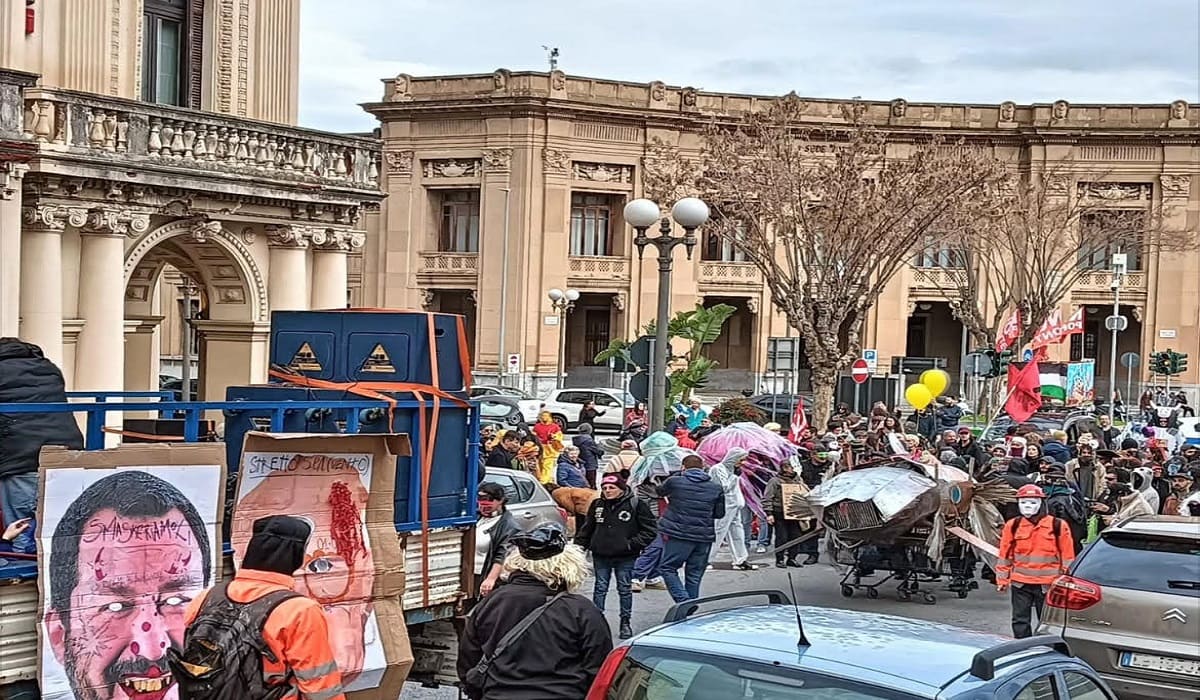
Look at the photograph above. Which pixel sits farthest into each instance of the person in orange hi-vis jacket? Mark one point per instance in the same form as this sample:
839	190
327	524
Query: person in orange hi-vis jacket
1035	549
229	624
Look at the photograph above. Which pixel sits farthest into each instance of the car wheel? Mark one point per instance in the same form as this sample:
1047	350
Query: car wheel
561	422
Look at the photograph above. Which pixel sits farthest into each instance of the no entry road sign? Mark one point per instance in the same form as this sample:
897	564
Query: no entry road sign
860	370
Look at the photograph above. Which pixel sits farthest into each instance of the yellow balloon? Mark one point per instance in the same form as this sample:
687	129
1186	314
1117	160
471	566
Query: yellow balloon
936	380
918	395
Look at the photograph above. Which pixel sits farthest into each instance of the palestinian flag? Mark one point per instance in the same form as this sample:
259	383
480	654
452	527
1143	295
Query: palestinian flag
1053	377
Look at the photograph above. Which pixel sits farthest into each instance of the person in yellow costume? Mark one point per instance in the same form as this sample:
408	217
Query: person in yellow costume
550	435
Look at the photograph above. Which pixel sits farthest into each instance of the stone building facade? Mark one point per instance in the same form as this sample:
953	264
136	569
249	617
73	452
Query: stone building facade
148	142
502	186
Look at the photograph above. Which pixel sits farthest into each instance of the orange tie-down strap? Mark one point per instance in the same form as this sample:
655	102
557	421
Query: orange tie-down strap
373	390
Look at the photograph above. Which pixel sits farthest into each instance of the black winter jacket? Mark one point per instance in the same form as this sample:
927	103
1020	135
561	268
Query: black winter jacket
949	416
589	452
557	658
618	529
26	376
694	501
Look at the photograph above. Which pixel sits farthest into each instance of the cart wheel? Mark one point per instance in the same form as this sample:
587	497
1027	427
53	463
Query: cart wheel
962	593
847	591
872	593
930	599
903	595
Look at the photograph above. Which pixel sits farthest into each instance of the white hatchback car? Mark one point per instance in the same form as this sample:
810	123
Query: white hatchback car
564	406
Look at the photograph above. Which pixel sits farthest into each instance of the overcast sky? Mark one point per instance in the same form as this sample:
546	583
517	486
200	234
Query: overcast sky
921	50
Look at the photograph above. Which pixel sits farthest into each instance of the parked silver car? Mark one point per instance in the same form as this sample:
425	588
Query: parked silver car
528	501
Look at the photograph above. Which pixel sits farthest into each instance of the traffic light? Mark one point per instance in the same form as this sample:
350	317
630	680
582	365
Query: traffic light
1176	362
1158	363
999	362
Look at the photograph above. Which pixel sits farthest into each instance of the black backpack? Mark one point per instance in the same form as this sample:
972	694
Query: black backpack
223	650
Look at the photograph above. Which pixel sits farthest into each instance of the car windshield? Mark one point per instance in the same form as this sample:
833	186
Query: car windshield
662	674
494	409
1140	563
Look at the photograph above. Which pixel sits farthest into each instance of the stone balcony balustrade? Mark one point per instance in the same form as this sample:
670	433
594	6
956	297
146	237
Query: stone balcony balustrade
136	135
439	267
597	271
722	275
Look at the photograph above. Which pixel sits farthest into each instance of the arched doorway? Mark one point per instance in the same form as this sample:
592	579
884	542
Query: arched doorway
199	268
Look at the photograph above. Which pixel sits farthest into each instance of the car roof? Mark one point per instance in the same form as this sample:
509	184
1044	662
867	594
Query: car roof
1160	525
918	656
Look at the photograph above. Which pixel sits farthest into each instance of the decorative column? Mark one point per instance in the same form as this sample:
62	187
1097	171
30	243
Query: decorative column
11	175
287	278
100	353
330	279
232	353
41	272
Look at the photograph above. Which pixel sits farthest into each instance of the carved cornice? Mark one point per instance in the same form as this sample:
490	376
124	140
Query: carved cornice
1175	186
496	159
451	167
556	161
287	236
44	217
202	229
399	162
112	221
335	240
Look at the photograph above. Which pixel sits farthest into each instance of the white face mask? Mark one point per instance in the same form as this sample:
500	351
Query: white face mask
1029	506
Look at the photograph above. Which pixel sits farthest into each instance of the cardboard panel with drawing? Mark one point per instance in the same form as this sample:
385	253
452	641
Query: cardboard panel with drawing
344	486
128	537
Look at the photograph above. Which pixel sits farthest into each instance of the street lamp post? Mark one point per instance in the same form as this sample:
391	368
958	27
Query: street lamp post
562	303
690	213
1118	270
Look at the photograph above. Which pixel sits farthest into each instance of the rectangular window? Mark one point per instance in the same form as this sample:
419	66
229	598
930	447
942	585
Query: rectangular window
718	248
591	232
460	222
172	47
1119	223
938	256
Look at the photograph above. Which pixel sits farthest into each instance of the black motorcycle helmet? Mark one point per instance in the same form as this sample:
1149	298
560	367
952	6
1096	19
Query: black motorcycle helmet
542	542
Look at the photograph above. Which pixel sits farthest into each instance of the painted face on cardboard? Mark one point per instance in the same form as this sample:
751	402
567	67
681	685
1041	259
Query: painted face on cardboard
338	569
136	577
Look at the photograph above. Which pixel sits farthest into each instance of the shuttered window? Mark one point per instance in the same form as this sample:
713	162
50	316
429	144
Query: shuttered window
172	51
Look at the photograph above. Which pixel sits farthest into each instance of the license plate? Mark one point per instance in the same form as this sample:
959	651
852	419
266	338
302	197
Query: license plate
1165	664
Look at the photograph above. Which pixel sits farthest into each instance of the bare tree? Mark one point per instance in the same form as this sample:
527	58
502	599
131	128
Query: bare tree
1045	232
830	214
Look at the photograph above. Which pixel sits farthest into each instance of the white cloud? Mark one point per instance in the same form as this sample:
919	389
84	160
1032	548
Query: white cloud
926	50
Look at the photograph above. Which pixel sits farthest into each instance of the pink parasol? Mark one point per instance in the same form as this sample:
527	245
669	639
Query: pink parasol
751	437
767	450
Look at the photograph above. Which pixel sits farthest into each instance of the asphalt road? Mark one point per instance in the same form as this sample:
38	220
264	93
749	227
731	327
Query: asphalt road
984	610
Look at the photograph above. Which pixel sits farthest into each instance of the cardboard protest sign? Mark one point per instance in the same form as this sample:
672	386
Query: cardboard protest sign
795	501
128	538
344	485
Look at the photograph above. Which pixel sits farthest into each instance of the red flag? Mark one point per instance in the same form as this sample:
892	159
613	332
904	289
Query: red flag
1025	391
799	421
1010	332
